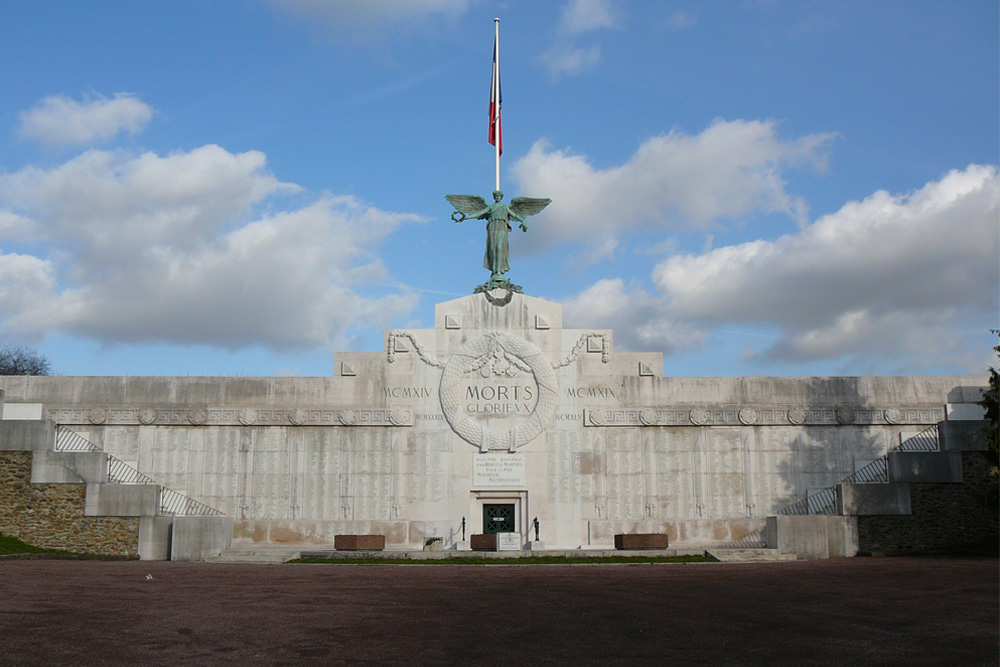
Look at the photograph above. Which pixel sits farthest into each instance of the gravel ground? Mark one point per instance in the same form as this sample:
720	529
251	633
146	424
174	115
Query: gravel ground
859	611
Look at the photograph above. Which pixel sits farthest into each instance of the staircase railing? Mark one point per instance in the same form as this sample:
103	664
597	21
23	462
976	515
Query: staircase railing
172	503
824	501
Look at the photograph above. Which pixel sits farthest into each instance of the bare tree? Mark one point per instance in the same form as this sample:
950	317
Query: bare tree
22	360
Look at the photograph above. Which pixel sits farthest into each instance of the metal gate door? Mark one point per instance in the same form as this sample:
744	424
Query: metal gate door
498	519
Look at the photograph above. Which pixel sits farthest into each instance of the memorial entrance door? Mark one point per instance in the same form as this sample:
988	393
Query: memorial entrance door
498	518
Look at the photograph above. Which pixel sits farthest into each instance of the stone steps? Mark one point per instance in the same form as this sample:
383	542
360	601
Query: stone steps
750	555
261	555
283	554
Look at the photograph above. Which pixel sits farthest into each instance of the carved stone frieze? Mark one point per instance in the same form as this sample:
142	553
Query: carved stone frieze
714	415
231	416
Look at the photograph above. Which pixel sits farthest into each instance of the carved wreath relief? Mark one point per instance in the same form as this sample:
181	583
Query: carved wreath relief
498	379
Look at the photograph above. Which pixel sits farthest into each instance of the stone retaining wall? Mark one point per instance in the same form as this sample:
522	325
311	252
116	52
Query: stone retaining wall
944	516
51	515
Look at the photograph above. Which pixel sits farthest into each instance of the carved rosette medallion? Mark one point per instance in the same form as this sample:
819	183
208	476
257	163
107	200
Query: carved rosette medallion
699	416
845	415
147	416
347	417
198	416
894	415
504	357
247	416
748	416
597	417
297	417
97	416
648	417
398	417
796	416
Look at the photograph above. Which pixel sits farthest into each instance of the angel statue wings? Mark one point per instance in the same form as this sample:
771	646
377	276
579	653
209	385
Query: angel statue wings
498	216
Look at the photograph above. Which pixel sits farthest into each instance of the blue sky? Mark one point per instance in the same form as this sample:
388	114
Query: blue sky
754	188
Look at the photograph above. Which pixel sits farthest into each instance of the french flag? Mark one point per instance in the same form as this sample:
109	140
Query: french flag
496	100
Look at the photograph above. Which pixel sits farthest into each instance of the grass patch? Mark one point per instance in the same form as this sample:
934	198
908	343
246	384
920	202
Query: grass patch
527	560
12	545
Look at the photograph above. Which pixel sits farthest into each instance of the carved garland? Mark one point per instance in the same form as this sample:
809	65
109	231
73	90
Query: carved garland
575	352
424	357
566	361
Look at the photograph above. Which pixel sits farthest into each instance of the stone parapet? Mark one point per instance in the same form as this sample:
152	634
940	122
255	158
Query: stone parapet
867	499
963	435
19	435
925	467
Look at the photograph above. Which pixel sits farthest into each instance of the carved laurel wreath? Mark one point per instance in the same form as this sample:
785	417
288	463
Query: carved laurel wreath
496	346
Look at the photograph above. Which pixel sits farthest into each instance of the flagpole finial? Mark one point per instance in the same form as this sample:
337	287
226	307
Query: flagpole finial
496	20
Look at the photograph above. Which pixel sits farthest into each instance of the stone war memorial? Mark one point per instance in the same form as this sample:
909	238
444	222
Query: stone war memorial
497	428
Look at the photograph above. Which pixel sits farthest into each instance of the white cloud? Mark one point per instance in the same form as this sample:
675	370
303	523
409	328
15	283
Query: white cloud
579	16
680	20
895	280
673	181
24	280
60	120
564	59
172	248
639	319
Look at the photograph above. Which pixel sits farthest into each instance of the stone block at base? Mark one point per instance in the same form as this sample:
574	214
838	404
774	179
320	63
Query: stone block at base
192	538
434	544
813	536
535	546
359	542
154	537
483	542
631	541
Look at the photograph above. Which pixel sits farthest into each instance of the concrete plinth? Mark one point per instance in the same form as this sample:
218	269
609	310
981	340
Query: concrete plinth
813	536
194	538
359	542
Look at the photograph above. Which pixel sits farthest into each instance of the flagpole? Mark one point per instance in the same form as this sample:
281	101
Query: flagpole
496	109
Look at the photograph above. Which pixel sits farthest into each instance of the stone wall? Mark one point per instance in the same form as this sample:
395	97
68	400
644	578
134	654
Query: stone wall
51	515
944	516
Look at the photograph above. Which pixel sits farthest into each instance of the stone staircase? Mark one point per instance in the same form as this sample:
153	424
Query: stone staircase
920	496
68	494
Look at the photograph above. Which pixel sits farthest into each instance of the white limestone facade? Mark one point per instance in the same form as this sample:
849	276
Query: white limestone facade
497	404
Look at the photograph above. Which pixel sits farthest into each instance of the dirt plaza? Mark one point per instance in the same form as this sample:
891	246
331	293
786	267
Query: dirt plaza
860	611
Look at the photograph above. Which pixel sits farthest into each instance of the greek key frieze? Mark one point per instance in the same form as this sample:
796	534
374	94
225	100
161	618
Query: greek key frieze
762	416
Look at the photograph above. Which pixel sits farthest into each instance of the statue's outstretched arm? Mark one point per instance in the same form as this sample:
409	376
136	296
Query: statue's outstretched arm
523	225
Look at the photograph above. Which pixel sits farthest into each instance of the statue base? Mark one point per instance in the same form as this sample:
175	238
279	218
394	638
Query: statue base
495	284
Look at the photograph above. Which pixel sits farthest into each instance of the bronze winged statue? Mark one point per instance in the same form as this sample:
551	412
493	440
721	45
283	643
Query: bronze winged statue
498	216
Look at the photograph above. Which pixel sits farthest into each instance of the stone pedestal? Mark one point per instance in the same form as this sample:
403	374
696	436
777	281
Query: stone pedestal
484	542
359	542
630	541
462	546
535	546
434	544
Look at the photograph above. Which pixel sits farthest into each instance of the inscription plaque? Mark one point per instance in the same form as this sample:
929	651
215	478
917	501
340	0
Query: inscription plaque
499	470
508	542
